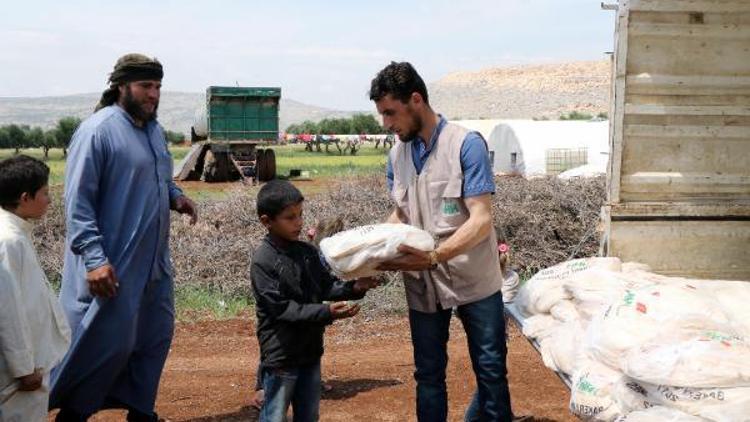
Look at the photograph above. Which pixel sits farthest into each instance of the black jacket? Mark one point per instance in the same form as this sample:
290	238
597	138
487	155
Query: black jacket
289	285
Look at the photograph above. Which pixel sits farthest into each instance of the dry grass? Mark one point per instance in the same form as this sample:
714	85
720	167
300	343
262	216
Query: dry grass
544	221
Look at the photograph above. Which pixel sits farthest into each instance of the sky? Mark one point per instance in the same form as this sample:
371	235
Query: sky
323	53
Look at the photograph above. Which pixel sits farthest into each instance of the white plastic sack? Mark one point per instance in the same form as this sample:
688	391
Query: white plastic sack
635	272
545	289
538	296
565	270
632	395
591	392
561	350
539	326
628	267
565	311
659	414
691	358
717	404
734	299
640	315
595	289
355	253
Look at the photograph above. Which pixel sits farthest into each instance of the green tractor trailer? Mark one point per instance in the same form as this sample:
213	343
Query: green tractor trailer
227	134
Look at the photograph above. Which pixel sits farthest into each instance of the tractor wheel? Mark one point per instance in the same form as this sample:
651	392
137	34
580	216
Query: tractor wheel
260	164
271	164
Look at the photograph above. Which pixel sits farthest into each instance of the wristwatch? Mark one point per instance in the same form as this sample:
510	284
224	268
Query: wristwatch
433	259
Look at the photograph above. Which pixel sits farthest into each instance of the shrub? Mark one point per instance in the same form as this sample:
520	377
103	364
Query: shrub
545	221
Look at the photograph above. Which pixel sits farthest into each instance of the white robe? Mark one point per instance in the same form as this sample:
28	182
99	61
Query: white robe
33	330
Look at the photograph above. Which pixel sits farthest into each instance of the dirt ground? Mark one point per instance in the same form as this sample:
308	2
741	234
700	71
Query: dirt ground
210	374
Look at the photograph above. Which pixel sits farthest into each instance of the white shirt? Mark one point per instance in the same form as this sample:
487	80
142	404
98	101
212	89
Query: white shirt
33	330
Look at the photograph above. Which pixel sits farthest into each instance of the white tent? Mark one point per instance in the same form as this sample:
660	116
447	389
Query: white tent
485	127
587	170
530	147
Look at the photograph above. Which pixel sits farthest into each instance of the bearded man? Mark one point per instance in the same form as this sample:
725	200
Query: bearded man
117	290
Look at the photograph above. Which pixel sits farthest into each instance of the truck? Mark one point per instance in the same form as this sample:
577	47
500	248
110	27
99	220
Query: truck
227	134
679	171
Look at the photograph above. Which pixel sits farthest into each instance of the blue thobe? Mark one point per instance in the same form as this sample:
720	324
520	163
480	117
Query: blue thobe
118	190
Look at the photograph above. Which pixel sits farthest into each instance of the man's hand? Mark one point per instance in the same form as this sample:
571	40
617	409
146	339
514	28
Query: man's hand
341	310
30	382
185	205
412	260
362	285
103	281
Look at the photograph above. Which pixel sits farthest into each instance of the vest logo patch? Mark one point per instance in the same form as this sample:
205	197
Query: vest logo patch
450	207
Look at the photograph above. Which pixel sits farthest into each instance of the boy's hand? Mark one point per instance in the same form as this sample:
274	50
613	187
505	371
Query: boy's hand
258	399
362	285
31	382
343	310
103	281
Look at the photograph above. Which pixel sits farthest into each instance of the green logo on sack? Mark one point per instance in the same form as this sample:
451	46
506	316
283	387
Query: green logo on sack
585	386
725	339
578	265
450	207
629	298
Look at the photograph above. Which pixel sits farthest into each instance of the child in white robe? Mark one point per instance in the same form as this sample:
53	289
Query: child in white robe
34	334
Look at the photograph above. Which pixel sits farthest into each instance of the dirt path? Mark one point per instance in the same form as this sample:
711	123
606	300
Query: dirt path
210	374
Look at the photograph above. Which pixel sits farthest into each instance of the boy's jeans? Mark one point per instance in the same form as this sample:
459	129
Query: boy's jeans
484	325
298	386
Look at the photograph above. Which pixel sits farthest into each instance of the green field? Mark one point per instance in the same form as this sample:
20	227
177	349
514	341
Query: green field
319	164
56	162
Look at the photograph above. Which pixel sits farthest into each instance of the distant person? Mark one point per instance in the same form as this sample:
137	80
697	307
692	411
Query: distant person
117	288
389	140
289	284
34	335
440	179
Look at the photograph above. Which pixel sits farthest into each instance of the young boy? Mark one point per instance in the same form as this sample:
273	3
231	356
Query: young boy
289	285
34	334
324	228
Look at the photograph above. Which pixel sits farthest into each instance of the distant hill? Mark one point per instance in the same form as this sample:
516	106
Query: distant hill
524	91
176	110
534	91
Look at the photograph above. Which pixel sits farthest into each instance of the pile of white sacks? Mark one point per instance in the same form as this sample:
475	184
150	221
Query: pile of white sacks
640	346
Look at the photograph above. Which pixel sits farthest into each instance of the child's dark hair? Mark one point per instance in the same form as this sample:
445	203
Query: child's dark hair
400	80
21	174
276	195
325	228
